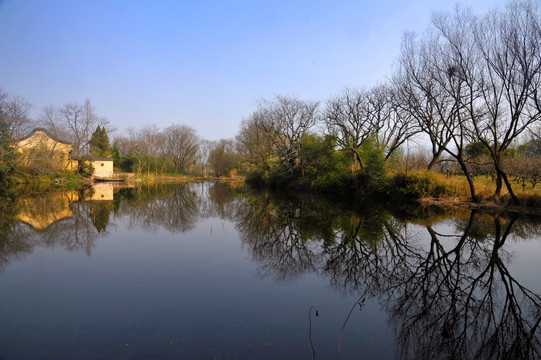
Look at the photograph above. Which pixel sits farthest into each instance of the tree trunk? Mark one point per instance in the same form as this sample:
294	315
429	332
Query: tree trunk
499	184
435	158
358	158
469	178
501	177
509	188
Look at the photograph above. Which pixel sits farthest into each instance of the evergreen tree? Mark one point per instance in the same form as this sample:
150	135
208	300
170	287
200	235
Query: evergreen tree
99	143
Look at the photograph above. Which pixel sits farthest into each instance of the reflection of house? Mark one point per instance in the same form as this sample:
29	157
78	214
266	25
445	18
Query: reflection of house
102	192
42	150
42	211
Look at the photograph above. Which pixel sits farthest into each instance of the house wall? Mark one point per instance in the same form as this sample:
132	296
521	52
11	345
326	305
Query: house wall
102	167
40	150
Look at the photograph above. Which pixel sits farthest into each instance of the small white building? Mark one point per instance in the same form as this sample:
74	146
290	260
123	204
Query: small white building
103	167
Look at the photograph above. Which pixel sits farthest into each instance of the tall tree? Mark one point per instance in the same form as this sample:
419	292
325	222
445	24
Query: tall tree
80	120
223	158
346	118
422	97
15	113
99	143
182	145
286	119
510	46
255	144
391	125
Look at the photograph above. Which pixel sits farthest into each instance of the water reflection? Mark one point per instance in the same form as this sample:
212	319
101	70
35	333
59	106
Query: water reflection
452	297
459	300
443	279
172	208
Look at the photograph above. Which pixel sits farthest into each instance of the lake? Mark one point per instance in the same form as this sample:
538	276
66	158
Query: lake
213	271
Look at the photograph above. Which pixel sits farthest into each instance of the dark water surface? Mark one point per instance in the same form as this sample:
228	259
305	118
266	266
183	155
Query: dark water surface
207	271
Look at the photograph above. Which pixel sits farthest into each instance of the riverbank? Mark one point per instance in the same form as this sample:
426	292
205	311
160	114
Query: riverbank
426	188
183	178
456	194
502	206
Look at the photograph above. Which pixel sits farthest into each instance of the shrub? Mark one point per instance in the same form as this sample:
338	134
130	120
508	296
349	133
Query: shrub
421	183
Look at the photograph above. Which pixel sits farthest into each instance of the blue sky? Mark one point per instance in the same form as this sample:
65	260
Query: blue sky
200	63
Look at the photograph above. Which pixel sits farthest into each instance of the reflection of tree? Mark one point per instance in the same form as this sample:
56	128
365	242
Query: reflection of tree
79	234
461	302
12	236
221	200
450	297
445	284
280	233
59	219
173	207
368	249
44	220
100	215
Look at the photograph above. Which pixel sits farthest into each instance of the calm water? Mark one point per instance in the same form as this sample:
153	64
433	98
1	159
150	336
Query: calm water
206	271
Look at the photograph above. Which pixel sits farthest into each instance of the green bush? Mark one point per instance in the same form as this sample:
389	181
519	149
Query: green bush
86	168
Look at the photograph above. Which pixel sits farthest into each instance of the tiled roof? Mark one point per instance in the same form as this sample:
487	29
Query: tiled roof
48	134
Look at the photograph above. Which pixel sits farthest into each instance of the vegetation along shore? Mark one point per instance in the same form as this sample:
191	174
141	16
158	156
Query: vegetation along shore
458	119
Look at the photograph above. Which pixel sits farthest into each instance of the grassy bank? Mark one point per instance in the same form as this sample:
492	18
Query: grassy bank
424	187
433	188
70	180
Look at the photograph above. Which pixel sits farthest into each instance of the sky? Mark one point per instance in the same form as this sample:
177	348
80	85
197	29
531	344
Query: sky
201	63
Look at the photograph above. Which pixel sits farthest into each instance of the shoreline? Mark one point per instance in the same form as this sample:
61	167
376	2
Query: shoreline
444	202
485	206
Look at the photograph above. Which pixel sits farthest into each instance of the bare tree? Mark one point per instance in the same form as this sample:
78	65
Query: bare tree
223	157
357	115
509	44
254	143
80	121
136	147
203	153
345	117
287	119
152	144
421	96
14	112
390	124
454	66
182	146
51	120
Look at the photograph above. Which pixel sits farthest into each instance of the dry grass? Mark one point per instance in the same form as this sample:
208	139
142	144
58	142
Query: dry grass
457	187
